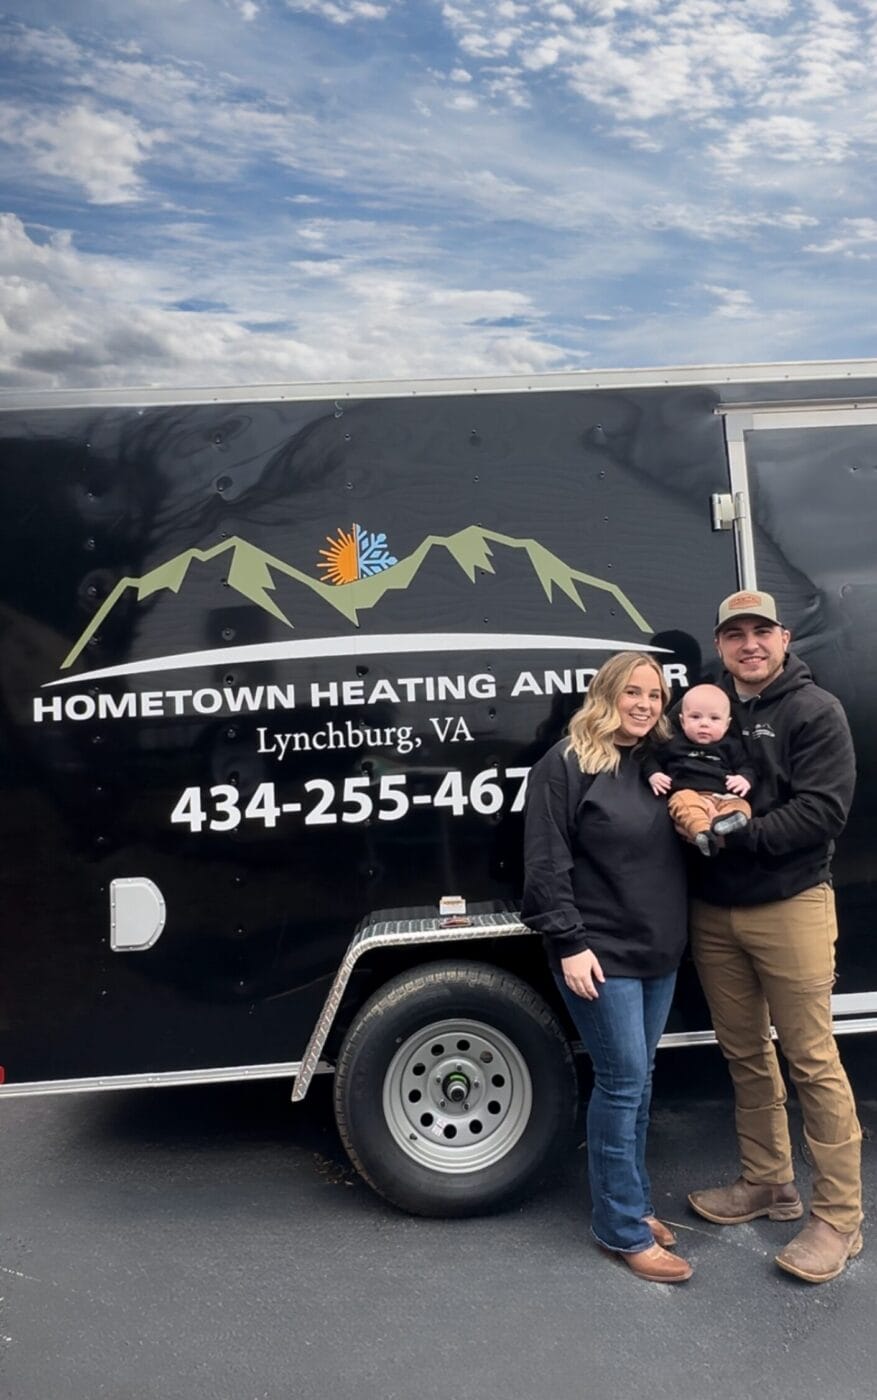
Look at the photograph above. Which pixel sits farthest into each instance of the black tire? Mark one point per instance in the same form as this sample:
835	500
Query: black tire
431	1032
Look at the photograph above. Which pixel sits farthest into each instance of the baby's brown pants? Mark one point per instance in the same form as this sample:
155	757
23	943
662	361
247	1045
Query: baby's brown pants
695	812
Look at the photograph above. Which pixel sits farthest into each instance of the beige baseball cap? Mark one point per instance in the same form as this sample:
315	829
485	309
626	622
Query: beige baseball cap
746	603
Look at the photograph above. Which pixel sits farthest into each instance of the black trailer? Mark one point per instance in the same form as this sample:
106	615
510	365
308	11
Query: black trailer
275	665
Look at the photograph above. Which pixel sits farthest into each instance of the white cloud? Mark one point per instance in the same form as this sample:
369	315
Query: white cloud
544	54
640	138
857	238
100	151
687	58
508	83
502	168
732	302
312	233
51	46
341	11
67	318
479	303
318	267
823	59
462	102
787	139
413	145
693	73
721	223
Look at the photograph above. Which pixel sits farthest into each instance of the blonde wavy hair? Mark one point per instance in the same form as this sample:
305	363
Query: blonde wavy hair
592	729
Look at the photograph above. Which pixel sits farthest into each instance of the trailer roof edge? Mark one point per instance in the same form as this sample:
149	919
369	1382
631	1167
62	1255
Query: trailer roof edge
590	379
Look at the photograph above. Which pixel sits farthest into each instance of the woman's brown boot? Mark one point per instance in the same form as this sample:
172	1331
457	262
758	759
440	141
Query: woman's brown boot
656	1265
661	1233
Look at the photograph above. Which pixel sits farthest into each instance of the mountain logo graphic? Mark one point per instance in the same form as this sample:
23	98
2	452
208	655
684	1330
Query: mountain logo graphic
360	571
354	554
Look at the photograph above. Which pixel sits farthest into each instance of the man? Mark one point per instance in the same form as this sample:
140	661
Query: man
763	934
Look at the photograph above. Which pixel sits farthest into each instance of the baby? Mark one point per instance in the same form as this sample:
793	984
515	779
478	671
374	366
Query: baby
704	769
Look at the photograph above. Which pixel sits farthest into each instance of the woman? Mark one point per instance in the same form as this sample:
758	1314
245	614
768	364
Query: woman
605	885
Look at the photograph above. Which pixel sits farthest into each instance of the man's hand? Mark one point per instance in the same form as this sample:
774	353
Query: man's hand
581	973
660	784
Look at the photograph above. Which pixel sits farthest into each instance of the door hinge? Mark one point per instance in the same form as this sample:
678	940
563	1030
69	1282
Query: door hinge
726	509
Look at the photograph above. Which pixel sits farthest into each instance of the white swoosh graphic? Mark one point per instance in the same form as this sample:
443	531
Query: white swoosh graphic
387	645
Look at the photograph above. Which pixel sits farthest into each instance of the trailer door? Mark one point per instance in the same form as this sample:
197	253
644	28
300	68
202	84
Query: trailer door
804	484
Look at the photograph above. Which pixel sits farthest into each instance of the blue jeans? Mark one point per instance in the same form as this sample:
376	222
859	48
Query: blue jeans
620	1031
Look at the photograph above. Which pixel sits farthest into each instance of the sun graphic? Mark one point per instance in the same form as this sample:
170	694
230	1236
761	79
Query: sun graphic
354	554
340	562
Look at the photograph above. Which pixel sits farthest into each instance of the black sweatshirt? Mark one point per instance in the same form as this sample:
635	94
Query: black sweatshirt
701	767
799	740
603	868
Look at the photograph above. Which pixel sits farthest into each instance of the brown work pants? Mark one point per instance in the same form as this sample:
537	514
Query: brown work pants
695	812
775	963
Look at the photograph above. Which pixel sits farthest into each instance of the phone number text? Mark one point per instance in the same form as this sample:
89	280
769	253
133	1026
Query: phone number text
324	803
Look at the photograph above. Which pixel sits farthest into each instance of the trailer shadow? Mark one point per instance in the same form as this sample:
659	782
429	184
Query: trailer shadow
208	1149
220	1117
215	1119
211	1148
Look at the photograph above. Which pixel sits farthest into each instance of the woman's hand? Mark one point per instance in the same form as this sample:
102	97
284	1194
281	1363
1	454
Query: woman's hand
581	973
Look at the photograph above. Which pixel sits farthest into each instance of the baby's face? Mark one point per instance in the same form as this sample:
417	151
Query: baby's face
705	720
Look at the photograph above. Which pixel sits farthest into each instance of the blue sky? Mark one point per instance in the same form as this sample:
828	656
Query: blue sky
203	192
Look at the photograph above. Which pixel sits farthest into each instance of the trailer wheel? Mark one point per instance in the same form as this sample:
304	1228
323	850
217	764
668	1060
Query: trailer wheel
454	1089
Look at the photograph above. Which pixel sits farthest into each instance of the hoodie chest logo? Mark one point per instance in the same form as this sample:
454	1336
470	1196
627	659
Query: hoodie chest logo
760	731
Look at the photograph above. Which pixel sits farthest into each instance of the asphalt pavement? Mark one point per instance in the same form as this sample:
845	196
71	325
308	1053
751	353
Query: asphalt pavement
214	1244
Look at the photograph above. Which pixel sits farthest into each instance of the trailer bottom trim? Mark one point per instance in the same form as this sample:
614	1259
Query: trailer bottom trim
165	1080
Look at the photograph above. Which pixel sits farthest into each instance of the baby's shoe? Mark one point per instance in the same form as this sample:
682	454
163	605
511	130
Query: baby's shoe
734	821
704	843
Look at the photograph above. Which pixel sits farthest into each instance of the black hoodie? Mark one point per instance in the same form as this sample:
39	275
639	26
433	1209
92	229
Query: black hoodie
604	868
799	741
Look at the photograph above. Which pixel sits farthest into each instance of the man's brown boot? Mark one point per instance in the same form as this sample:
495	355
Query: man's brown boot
744	1200
819	1252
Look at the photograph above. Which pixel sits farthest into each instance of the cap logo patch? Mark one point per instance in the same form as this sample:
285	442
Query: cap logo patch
741	601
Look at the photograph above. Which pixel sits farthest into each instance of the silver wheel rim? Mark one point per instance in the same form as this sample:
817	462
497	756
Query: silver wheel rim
457	1096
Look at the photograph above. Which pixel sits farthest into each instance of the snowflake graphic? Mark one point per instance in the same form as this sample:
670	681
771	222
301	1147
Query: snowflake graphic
353	554
374	556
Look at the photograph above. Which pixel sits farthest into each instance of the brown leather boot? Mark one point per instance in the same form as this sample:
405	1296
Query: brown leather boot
661	1233
744	1200
655	1265
819	1252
